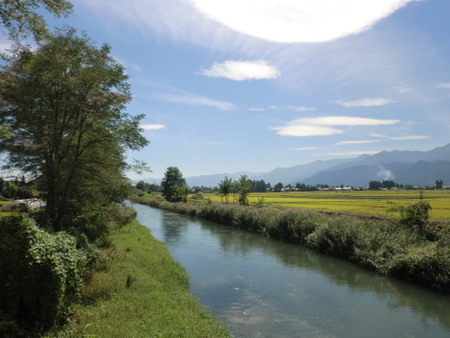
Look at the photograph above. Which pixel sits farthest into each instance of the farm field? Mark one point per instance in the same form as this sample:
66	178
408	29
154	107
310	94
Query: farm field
356	202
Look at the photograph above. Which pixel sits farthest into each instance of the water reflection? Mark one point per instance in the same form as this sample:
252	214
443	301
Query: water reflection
263	288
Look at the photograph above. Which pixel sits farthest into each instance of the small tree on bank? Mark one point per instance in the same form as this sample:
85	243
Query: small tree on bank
173	185
225	188
245	186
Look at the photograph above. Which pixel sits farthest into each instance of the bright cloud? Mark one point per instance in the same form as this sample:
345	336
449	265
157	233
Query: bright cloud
242	70
196	101
152	126
298	20
256	109
323	126
356	142
364	103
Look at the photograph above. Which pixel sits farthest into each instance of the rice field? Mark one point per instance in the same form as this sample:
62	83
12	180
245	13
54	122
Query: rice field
366	202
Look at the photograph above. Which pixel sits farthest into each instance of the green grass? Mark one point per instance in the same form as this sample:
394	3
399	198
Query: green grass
373	203
140	292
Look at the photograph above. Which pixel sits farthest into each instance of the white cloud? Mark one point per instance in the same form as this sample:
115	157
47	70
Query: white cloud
322	126
402	138
242	70
305	148
152	126
256	109
409	138
302	108
196	101
356	142
298	20
274	107
364	103
353	153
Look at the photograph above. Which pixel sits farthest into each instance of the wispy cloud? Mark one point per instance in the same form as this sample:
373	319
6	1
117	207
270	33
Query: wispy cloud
356	142
242	70
323	126
443	85
298	21
256	109
301	108
401	138
196	101
353	153
364	103
305	148
152	126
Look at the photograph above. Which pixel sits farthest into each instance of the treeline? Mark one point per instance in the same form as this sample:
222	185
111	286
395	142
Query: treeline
390	184
409	248
18	188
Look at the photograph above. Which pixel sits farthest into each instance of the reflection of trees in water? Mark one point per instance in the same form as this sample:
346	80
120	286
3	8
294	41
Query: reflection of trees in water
398	293
174	226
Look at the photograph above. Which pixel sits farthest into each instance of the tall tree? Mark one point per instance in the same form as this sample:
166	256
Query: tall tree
22	18
245	186
225	188
64	107
173	185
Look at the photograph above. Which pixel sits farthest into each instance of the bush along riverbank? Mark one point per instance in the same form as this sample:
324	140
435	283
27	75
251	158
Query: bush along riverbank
384	245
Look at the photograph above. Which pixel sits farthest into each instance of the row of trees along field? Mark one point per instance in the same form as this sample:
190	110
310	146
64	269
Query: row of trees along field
63	121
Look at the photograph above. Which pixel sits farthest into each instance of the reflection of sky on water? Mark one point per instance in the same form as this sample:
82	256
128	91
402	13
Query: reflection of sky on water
263	288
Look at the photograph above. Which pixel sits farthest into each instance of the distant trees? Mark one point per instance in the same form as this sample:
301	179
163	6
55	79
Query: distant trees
147	187
387	184
439	184
173	185
277	187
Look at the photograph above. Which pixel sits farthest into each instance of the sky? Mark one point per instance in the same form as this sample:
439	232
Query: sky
252	85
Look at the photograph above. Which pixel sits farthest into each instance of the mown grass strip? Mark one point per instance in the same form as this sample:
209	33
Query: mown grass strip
139	291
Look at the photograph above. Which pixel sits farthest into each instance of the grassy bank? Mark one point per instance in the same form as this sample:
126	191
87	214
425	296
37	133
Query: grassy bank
139	291
382	245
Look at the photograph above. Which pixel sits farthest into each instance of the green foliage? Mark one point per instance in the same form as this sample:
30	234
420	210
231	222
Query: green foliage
173	185
40	273
142	292
76	137
225	188
245	185
22	17
413	215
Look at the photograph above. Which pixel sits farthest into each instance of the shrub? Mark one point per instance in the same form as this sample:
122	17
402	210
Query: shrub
40	273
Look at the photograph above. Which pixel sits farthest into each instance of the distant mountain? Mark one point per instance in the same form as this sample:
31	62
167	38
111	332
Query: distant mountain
407	167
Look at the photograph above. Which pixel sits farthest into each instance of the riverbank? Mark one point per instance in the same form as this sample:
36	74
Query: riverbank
382	245
139	291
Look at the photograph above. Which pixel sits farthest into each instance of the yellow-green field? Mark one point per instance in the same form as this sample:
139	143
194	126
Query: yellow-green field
357	202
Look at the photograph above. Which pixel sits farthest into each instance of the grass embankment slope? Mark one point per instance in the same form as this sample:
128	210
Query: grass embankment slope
368	202
139	291
383	245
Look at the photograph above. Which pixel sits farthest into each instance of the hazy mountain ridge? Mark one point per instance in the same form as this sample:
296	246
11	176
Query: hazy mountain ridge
406	167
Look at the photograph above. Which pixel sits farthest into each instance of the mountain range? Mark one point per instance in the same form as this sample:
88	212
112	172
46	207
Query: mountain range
406	167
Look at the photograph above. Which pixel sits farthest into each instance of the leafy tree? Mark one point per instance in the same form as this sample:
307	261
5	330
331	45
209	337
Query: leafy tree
439	184
173	185
64	106
225	188
22	18
245	185
277	187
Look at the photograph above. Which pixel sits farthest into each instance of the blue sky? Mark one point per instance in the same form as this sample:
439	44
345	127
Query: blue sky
251	85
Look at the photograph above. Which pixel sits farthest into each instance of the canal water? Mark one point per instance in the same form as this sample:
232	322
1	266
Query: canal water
260	287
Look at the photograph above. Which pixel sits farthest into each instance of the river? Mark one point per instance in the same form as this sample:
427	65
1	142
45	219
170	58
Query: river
259	287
